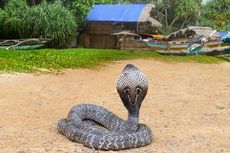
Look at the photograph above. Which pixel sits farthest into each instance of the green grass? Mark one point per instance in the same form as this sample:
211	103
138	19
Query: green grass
53	60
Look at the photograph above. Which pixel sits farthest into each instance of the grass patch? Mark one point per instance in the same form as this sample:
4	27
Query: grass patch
52	59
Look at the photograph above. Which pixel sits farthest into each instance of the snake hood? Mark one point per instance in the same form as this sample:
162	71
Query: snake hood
132	86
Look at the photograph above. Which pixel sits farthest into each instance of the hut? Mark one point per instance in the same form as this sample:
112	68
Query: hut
105	22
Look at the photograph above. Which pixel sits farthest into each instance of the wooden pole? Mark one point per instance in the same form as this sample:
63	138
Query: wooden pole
124	42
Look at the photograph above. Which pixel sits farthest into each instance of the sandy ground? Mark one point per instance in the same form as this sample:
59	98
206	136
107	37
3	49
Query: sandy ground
187	107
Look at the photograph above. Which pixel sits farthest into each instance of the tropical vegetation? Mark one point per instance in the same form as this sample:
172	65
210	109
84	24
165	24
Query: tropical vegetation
216	14
60	19
47	20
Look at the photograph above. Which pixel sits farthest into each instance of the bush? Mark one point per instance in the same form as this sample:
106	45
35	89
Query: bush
12	22
52	21
2	18
46	20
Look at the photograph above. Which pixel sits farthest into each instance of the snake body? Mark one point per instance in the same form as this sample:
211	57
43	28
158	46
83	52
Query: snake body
98	128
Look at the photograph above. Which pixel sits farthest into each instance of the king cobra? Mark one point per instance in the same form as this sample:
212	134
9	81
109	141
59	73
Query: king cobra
98	128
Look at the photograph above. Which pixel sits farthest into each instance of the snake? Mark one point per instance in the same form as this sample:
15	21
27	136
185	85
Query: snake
98	128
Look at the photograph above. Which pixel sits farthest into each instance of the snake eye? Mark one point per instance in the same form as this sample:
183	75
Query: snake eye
127	91
138	91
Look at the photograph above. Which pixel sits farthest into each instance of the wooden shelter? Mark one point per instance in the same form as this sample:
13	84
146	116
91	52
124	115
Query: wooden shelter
104	22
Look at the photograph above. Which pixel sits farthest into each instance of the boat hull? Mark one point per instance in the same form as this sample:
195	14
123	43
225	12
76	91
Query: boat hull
209	52
24	47
163	46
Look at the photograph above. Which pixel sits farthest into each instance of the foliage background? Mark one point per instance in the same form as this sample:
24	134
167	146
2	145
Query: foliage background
216	14
60	19
46	20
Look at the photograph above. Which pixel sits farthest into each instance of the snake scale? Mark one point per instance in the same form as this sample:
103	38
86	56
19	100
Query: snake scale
98	128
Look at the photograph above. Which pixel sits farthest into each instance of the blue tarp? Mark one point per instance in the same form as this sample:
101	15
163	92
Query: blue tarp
115	13
222	34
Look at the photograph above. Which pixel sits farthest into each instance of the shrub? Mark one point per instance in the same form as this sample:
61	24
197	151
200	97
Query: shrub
12	22
2	18
47	20
52	21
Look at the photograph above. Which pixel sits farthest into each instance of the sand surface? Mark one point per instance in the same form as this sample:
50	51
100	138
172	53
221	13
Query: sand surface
187	107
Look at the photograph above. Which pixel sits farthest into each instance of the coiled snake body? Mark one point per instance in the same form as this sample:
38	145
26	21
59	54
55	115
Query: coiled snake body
98	128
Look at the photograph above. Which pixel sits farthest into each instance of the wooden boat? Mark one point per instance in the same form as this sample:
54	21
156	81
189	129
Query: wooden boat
181	46
23	44
222	50
161	45
24	47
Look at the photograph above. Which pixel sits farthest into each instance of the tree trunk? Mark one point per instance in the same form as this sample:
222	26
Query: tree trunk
166	18
173	21
186	20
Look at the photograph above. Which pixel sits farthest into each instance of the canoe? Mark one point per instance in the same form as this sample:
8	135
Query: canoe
166	46
181	46
24	47
222	50
23	44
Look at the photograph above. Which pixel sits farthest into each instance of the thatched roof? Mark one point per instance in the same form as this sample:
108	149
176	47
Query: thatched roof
145	16
191	31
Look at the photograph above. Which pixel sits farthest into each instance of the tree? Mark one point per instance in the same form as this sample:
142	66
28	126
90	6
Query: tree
81	7
132	1
185	11
216	14
176	14
103	1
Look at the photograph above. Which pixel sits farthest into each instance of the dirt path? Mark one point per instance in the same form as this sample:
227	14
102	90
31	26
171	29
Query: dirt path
187	107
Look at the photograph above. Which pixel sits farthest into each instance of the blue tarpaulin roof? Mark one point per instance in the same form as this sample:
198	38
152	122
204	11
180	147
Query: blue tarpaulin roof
116	13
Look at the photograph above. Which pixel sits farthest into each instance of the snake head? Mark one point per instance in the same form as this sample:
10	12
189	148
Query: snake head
132	86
